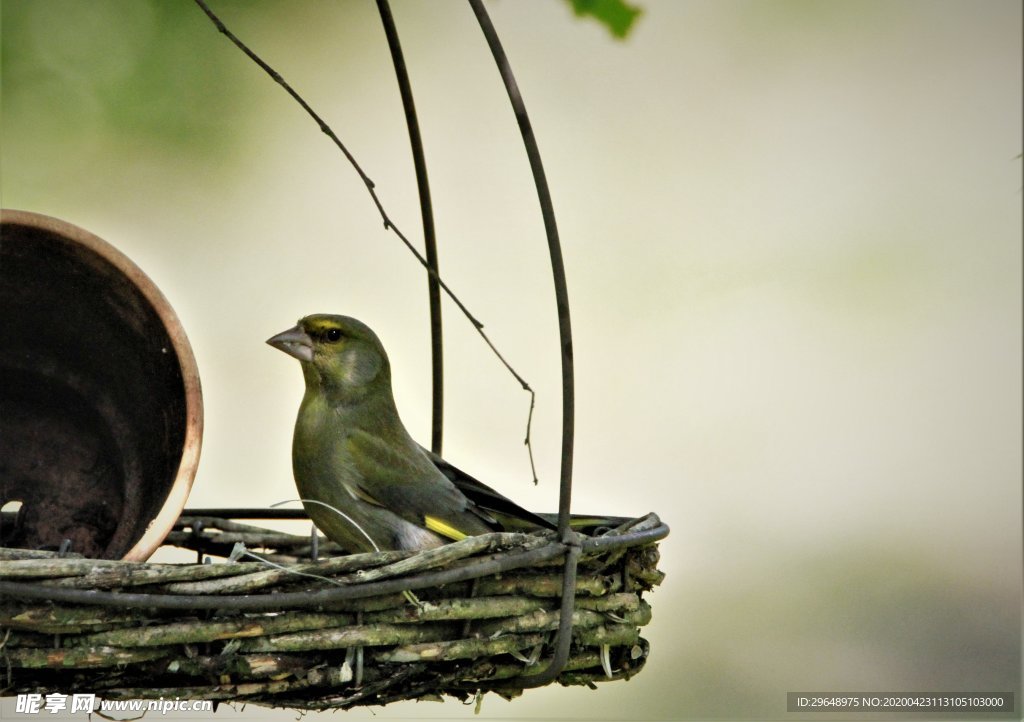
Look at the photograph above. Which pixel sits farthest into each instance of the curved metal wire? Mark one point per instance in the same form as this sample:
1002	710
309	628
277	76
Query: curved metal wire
429	236
569	538
555	251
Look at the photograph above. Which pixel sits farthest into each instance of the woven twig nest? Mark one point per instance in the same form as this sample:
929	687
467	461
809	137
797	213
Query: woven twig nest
333	633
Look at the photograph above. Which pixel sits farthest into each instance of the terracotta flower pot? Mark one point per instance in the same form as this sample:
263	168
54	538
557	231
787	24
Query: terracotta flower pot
101	413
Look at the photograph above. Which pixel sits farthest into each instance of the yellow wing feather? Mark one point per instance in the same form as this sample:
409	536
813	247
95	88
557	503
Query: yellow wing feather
443	528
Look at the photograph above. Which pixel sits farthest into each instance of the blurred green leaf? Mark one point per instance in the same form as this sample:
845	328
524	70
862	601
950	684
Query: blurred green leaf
145	71
616	15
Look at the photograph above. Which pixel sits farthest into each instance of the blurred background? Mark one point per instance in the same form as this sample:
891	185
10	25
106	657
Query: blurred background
792	233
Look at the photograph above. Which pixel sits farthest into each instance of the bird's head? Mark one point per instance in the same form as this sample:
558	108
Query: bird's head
340	356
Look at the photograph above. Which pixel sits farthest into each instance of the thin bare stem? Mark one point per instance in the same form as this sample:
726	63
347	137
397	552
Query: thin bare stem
371	189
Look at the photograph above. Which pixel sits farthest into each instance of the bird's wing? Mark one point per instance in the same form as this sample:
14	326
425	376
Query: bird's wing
402	479
510	514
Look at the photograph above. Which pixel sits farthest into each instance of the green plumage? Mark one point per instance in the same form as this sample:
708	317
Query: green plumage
363	480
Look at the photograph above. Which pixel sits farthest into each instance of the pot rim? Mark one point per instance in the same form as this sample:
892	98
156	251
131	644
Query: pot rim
159	526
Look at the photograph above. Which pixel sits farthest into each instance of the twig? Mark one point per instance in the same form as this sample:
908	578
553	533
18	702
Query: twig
366	635
445	555
459	648
192	632
85	657
388	223
269	577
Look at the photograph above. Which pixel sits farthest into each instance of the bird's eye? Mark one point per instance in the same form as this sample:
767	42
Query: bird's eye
333	335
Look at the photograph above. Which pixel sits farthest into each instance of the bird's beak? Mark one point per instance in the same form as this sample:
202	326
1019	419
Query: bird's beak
294	342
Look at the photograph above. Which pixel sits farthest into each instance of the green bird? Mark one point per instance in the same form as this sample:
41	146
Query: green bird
363	480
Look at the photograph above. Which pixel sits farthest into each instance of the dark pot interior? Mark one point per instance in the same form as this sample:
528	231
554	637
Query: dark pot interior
96	411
